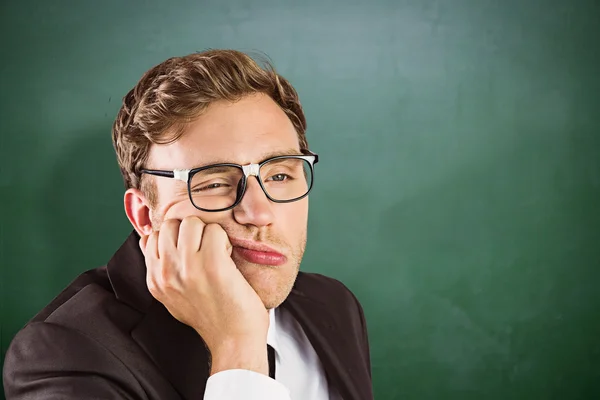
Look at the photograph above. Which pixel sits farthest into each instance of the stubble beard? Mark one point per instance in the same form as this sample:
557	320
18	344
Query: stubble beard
274	283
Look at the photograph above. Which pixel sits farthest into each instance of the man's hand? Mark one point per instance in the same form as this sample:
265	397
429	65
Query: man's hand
190	271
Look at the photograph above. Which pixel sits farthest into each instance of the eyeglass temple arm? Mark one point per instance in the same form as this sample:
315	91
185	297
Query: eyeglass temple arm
180	174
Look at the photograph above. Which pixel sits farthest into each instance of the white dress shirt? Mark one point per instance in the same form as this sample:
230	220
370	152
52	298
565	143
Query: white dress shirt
299	374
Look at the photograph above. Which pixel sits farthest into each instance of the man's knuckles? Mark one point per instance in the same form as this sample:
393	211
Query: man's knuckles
170	225
214	237
192	222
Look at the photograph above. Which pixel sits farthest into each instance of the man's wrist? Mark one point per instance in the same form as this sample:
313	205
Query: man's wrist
246	355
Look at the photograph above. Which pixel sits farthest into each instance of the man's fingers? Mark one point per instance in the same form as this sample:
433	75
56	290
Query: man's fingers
215	239
167	237
190	234
151	248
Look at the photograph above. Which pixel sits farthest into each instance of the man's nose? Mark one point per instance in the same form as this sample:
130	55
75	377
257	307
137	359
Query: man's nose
255	207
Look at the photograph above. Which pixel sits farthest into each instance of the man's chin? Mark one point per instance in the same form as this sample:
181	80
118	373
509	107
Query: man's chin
272	284
271	300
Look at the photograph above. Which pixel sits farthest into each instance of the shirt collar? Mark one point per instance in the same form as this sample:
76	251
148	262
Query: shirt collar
272	332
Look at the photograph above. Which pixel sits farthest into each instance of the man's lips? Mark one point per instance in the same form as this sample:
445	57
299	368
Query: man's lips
257	253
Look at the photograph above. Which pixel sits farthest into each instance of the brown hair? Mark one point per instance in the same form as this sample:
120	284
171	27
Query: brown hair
175	92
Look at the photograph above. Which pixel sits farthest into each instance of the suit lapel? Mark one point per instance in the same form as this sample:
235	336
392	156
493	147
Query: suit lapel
321	328
176	349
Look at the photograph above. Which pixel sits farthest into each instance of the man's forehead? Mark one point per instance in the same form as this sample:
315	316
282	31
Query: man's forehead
169	157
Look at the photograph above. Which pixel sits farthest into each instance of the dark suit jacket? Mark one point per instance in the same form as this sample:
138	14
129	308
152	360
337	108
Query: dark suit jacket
106	337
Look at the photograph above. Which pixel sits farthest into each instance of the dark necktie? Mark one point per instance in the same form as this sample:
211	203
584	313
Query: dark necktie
271	354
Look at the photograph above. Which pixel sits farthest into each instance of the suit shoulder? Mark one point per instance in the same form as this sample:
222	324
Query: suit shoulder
40	340
94	277
87	304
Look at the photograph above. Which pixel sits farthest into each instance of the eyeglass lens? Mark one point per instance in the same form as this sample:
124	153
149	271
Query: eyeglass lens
218	187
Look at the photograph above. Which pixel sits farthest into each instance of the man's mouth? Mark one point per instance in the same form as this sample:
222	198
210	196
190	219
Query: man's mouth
257	253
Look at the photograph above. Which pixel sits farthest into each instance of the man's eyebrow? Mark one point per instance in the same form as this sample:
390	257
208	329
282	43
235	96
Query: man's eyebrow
289	152
266	156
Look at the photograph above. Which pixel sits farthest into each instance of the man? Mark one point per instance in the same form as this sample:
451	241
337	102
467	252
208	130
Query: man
204	300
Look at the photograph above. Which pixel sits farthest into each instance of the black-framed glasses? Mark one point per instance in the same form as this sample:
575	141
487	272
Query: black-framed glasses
220	187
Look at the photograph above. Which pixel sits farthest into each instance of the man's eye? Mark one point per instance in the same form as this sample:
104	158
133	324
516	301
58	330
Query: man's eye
280	178
210	186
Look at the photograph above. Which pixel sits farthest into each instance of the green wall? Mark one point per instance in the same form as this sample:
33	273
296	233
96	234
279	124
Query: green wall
458	193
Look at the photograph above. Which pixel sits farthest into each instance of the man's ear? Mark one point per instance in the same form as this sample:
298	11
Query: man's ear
138	211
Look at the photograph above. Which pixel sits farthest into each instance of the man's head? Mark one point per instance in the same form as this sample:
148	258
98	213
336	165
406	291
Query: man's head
206	108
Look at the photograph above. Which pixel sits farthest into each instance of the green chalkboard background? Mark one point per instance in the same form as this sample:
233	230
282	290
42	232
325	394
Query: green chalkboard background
458	192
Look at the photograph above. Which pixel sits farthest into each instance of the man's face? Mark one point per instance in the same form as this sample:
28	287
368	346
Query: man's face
247	131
